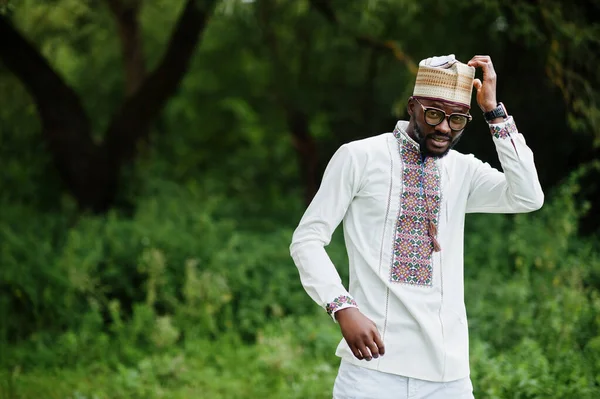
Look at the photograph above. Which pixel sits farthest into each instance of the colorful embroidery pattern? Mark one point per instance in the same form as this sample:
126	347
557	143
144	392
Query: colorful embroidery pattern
505	130
420	204
338	302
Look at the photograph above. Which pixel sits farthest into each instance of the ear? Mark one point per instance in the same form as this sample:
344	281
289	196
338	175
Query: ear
410	106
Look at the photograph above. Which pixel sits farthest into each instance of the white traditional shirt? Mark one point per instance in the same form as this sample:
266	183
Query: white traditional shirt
387	195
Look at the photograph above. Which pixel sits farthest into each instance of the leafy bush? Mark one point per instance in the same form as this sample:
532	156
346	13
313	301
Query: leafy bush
177	268
183	296
533	315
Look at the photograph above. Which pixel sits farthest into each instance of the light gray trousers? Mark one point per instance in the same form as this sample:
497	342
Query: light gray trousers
354	382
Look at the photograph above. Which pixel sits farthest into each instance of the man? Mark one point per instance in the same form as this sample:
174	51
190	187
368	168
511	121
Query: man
403	197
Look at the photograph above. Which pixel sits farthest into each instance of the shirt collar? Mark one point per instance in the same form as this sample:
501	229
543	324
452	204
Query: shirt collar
400	133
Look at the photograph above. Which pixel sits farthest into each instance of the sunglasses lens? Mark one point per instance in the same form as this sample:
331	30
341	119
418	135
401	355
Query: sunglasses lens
458	122
433	116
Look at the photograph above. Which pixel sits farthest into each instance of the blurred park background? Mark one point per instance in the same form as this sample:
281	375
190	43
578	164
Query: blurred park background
156	155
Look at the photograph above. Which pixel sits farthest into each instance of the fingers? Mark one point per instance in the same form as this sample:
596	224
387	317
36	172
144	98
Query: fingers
480	61
365	352
374	349
477	84
356	352
379	342
369	347
485	63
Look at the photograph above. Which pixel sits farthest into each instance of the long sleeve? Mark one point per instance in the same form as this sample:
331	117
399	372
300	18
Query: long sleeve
318	275
516	190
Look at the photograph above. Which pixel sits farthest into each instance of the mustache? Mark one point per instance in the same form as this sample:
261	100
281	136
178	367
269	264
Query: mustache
440	135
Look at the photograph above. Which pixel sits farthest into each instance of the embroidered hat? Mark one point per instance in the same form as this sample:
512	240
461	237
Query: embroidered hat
445	78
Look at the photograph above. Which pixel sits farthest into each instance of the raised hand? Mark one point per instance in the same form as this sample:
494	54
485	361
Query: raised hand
486	89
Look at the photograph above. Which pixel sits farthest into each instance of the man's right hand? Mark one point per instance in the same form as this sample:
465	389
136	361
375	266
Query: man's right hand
360	334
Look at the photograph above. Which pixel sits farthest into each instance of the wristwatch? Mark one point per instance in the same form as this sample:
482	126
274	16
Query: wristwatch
498	112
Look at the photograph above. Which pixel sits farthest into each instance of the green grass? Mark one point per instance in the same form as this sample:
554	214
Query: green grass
238	377
292	358
285	362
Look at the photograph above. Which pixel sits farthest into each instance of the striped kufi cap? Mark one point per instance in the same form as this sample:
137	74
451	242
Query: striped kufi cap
445	78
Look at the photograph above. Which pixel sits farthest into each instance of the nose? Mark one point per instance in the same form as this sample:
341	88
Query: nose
444	127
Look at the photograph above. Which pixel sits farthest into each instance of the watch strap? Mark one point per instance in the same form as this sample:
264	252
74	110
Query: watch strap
498	112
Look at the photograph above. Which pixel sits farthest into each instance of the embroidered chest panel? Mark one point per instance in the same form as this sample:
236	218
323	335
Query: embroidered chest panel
419	206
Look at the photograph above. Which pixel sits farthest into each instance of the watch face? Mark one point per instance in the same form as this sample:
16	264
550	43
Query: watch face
502	110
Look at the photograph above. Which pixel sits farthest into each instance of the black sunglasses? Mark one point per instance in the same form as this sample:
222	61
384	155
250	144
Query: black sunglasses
434	116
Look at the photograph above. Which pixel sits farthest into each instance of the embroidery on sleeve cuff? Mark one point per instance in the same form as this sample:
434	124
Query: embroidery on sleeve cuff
504	130
342	301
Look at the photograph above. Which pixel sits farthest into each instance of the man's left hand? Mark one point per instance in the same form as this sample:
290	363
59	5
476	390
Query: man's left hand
486	89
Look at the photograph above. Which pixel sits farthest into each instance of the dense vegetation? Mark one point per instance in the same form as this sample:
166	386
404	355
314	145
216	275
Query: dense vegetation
144	237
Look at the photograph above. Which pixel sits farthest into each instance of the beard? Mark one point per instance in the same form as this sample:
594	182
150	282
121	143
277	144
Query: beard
422	140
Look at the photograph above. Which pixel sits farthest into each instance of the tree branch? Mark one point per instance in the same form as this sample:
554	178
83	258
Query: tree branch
132	121
286	85
324	8
126	15
90	171
47	88
65	125
264	13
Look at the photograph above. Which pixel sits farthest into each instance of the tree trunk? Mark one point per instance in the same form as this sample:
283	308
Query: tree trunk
91	171
65	125
306	148
286	84
126	15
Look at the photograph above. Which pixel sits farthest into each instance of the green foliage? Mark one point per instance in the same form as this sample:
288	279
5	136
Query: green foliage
533	315
187	288
173	255
174	300
289	360
570	39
